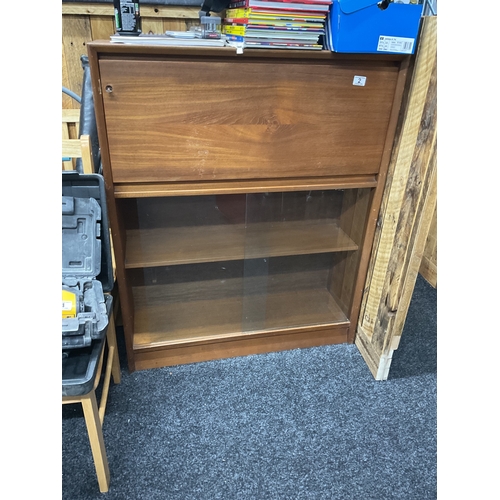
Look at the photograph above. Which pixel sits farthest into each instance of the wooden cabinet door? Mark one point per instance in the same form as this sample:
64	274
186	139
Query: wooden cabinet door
175	119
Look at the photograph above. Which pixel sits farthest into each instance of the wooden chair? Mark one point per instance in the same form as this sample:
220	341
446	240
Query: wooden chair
73	145
82	368
73	148
78	389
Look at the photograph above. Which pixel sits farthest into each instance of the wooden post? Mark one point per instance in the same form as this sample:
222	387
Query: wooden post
428	266
405	216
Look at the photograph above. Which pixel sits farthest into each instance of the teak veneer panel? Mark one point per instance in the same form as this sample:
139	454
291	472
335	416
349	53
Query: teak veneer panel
241	345
192	121
184	245
244	118
149	190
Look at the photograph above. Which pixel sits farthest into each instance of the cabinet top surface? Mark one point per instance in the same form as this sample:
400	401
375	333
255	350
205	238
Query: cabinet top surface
104	47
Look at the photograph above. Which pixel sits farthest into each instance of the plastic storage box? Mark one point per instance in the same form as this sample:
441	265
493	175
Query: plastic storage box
86	260
370	26
79	366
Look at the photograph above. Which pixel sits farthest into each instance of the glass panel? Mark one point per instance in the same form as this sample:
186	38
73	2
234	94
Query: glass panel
221	265
294	236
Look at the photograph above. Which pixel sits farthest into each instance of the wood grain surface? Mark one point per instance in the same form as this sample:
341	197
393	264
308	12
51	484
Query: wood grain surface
212	120
405	216
165	316
178	123
184	245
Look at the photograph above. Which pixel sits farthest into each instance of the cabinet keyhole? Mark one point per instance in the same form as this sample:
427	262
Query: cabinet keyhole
109	89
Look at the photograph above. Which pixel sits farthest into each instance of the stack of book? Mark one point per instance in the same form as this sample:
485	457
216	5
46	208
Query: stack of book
287	24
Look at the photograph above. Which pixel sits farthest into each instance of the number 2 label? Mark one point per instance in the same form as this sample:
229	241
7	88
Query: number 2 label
360	81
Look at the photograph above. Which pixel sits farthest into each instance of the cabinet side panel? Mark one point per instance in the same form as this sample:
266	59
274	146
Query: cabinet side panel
181	120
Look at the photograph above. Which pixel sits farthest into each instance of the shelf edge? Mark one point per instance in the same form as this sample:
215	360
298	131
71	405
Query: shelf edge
227	337
146	190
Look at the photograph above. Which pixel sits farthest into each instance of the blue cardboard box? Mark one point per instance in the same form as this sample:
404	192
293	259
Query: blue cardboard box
372	26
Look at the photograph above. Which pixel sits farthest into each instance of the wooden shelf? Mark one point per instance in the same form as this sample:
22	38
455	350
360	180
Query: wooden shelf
187	245
148	190
165	316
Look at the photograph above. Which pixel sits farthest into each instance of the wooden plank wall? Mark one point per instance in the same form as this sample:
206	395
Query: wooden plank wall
84	22
406	214
428	267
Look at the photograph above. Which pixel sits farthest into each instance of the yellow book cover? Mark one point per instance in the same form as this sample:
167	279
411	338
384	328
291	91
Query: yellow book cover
234	30
238	12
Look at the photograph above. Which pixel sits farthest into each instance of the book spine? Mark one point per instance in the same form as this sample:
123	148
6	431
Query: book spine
276	4
235	38
234	30
236	20
239	4
238	12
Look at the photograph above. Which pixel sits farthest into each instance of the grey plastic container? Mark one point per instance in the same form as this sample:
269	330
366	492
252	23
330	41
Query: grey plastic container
85	247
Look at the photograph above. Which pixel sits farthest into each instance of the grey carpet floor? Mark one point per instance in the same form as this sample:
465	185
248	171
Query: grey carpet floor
301	424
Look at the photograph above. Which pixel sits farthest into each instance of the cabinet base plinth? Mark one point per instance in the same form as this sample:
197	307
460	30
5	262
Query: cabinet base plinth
241	345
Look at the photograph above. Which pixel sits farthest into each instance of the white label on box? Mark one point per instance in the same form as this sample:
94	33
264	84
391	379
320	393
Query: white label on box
67	305
395	44
359	80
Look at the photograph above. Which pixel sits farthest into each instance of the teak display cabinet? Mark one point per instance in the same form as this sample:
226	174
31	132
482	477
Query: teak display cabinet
243	193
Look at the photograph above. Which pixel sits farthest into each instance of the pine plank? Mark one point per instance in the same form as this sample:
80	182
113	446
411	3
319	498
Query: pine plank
79	148
71	115
76	33
405	215
425	210
413	227
66	165
158	11
85	9
67	101
152	26
428	267
399	172
181	24
72	148
102	27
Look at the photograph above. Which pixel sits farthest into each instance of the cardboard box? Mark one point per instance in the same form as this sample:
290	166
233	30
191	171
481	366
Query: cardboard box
365	26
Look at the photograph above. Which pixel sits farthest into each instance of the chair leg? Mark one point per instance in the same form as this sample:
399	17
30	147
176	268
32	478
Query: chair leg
111	338
94	429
